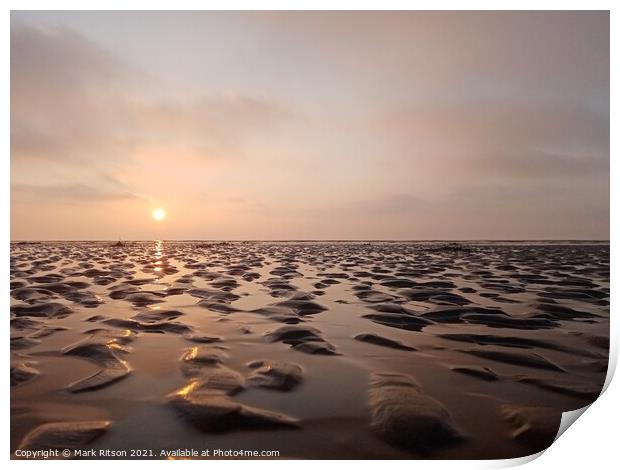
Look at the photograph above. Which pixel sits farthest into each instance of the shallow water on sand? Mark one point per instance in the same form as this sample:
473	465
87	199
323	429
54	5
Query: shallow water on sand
158	338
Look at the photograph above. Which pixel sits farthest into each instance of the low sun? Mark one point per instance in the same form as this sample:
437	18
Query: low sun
159	214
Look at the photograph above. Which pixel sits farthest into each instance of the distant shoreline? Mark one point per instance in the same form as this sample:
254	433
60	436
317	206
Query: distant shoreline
481	241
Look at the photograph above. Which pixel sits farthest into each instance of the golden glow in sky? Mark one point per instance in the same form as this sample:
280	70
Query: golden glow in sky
159	214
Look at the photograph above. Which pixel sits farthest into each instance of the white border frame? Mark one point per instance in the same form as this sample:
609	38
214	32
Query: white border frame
590	443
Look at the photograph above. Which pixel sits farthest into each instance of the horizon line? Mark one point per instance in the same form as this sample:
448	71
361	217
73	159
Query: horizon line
323	240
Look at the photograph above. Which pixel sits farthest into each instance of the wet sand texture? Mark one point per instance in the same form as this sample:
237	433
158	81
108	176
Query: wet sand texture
314	349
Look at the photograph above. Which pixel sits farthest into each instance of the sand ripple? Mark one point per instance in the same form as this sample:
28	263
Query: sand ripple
262	336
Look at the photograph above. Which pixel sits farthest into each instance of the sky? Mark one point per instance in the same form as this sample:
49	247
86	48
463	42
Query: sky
309	125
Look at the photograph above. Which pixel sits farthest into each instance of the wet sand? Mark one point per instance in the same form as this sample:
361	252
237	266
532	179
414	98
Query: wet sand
316	350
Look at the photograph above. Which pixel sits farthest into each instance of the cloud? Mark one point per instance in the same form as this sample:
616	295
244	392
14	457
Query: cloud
74	102
479	211
69	193
414	124
214	127
499	140
65	92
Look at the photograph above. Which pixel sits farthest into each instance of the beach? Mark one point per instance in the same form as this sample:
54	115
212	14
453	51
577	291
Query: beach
360	350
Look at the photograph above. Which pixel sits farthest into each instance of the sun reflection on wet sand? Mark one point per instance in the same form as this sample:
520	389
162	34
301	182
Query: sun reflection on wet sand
185	391
193	352
159	249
